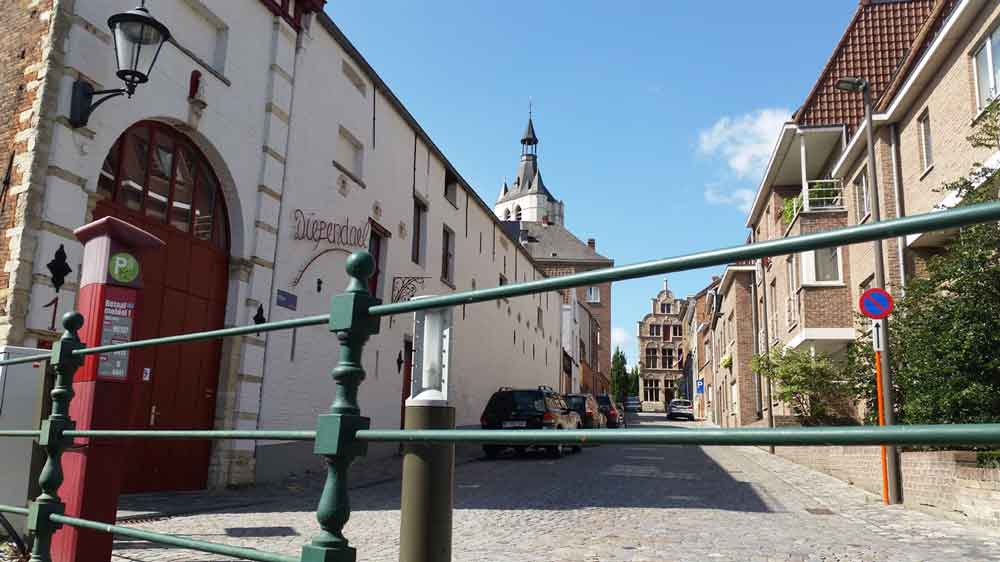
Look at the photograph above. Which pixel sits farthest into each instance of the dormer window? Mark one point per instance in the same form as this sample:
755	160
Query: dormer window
517	213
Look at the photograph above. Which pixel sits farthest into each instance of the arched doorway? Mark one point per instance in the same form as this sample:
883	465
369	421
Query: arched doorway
156	178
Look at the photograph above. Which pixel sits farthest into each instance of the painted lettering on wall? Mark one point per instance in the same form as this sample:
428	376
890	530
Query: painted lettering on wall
318	230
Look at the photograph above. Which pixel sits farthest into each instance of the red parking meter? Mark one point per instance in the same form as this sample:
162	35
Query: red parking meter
109	299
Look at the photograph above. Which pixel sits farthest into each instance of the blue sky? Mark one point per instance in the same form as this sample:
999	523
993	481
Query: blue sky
654	118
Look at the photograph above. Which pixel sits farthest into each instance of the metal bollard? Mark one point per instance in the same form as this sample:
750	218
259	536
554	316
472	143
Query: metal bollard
428	469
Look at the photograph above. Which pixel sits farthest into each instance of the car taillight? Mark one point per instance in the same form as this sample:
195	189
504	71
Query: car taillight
548	417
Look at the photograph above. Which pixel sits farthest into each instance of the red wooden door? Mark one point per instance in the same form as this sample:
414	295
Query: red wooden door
184	290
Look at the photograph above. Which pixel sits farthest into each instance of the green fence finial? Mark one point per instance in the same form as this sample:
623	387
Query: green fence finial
65	364
335	432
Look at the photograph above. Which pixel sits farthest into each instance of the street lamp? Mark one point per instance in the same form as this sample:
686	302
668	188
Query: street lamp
891	460
138	39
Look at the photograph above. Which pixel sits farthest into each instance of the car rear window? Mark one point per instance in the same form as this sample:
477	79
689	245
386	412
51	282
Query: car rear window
517	401
576	402
684	403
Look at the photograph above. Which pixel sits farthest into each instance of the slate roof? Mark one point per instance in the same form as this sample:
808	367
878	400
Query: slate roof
875	43
552	242
529	134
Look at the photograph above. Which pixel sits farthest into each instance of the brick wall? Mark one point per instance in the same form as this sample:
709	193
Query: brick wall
22	46
948	482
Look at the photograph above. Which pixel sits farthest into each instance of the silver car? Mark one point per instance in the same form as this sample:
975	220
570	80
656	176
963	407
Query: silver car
679	408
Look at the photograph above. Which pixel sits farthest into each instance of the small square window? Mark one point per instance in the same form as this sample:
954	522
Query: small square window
593	294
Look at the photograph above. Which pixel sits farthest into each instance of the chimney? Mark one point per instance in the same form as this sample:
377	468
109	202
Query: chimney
592	244
665	286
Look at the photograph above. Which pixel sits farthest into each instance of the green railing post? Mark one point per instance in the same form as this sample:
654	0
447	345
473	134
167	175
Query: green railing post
52	439
335	438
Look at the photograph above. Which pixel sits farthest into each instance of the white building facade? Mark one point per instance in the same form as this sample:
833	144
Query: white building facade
264	149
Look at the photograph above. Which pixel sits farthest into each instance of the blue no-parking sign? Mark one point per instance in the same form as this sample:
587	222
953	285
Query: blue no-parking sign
875	303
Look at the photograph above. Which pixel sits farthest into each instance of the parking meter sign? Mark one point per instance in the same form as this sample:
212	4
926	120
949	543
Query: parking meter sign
876	303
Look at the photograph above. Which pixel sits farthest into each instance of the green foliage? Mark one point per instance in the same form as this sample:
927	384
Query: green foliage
621	379
789	208
811	384
727	361
944	334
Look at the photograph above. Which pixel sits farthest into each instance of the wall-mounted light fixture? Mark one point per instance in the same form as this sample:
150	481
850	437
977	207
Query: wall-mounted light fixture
138	39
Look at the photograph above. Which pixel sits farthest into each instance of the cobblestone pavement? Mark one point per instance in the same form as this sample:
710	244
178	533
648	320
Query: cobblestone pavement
634	503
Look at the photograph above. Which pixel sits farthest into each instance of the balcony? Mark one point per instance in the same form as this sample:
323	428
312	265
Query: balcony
823	195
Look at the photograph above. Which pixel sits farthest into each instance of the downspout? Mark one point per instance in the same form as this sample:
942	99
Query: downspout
755	327
898	192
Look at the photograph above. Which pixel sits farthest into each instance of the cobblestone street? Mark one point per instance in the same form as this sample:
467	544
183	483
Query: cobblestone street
608	503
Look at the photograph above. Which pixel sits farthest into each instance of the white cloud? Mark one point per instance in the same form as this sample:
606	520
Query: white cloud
744	141
624	339
742	198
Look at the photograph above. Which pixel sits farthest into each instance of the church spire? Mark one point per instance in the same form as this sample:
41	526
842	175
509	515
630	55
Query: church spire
529	142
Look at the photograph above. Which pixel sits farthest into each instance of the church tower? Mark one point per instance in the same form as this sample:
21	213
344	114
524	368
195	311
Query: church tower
527	199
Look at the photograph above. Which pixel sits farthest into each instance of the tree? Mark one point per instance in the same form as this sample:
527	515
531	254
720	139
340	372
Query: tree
812	384
945	331
621	377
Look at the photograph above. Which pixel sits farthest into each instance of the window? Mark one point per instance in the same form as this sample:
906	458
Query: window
651	390
664	308
154	170
987	66
353	77
822	266
926	149
375	245
517	213
677	330
451	188
862	198
538	319
651	358
593	294
350	155
448	256
734	393
654	329
506	214
668	358
417	253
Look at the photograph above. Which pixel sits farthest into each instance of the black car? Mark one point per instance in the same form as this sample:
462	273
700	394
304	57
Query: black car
587	407
540	408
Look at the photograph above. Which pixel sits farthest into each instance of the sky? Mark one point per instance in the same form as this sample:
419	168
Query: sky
655	119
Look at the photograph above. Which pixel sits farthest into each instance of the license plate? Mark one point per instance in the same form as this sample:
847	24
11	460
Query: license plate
515	424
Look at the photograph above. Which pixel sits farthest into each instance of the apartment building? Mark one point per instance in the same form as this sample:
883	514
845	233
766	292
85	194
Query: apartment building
698	357
920	125
731	335
805	299
265	149
660	337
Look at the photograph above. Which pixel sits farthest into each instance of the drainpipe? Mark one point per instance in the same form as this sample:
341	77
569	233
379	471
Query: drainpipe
898	191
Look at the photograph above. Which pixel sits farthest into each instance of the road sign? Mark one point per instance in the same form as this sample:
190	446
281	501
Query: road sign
701	386
876	303
877	343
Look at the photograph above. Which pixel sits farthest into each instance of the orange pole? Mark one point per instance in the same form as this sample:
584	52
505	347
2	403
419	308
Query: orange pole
881	421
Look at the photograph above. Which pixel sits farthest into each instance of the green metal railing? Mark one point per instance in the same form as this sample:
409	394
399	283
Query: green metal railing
343	434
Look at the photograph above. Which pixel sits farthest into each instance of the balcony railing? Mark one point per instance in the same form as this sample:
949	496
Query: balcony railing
823	195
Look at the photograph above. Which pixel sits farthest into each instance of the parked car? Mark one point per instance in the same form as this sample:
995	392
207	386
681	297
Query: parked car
539	408
680	408
613	413
633	404
589	410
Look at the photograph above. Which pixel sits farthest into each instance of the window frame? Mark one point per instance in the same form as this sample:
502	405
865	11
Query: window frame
589	294
864	202
447	255
808	270
418	245
988	48
926	140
